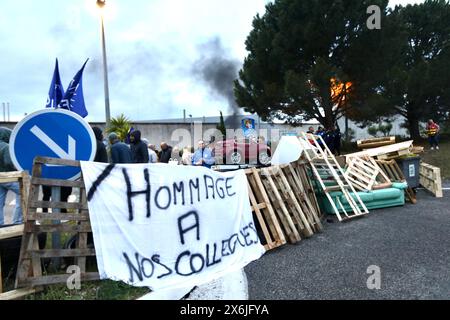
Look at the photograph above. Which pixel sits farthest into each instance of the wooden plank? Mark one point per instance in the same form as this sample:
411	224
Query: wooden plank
58	205
375	142
51	253
56	183
11	176
261	221
61	216
35	261
56	161
17	294
382	150
55	279
11	232
65	227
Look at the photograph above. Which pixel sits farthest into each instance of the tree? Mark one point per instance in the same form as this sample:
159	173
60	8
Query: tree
417	85
221	126
120	125
300	50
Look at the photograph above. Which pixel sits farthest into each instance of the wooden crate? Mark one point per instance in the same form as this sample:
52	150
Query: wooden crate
30	273
430	179
14	231
266	219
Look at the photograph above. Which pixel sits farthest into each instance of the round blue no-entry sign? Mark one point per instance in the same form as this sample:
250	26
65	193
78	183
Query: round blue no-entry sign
52	133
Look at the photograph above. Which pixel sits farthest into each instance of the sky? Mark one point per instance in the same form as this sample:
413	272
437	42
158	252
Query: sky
163	55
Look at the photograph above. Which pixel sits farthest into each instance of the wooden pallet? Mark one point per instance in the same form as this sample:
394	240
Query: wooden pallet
281	209
393	171
290	200
362	174
366	175
17	230
30	272
326	168
266	219
303	170
300	188
430	179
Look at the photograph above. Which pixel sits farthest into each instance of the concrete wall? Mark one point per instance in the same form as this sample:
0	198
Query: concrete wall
185	134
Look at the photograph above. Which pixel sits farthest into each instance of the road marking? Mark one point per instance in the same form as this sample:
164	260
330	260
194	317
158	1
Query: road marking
53	146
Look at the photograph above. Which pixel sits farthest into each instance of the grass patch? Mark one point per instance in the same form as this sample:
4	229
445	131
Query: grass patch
94	290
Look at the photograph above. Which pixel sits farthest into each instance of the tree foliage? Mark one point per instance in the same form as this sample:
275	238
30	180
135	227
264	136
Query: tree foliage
120	125
299	49
417	84
221	126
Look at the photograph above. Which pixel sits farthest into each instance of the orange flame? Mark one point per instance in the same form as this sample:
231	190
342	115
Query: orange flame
339	90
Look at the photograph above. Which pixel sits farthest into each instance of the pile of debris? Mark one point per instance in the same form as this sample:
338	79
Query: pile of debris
290	200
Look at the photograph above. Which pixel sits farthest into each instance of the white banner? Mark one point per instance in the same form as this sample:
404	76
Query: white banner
164	226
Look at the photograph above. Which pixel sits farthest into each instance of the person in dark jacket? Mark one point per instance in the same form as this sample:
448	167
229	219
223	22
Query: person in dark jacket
100	155
337	140
139	152
166	153
120	152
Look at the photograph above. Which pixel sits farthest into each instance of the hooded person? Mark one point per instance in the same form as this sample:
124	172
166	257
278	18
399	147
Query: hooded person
120	152
139	152
101	154
6	165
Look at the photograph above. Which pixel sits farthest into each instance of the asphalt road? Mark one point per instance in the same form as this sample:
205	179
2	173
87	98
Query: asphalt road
410	245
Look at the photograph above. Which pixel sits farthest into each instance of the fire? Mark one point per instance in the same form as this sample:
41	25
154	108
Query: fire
339	91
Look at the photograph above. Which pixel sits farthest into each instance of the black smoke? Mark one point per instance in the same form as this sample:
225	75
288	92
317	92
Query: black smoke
218	69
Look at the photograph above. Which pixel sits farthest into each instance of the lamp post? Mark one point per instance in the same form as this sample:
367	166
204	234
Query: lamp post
100	5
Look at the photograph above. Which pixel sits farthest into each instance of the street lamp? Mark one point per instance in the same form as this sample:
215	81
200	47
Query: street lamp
101	4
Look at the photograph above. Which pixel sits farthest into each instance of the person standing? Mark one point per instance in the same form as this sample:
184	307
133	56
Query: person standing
337	140
120	152
186	157
203	156
320	132
139	150
6	165
310	135
433	134
152	156
101	154
166	153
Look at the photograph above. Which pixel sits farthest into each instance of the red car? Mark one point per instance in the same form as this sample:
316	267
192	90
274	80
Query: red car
244	151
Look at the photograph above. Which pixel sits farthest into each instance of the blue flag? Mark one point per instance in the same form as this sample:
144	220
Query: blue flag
56	92
73	99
